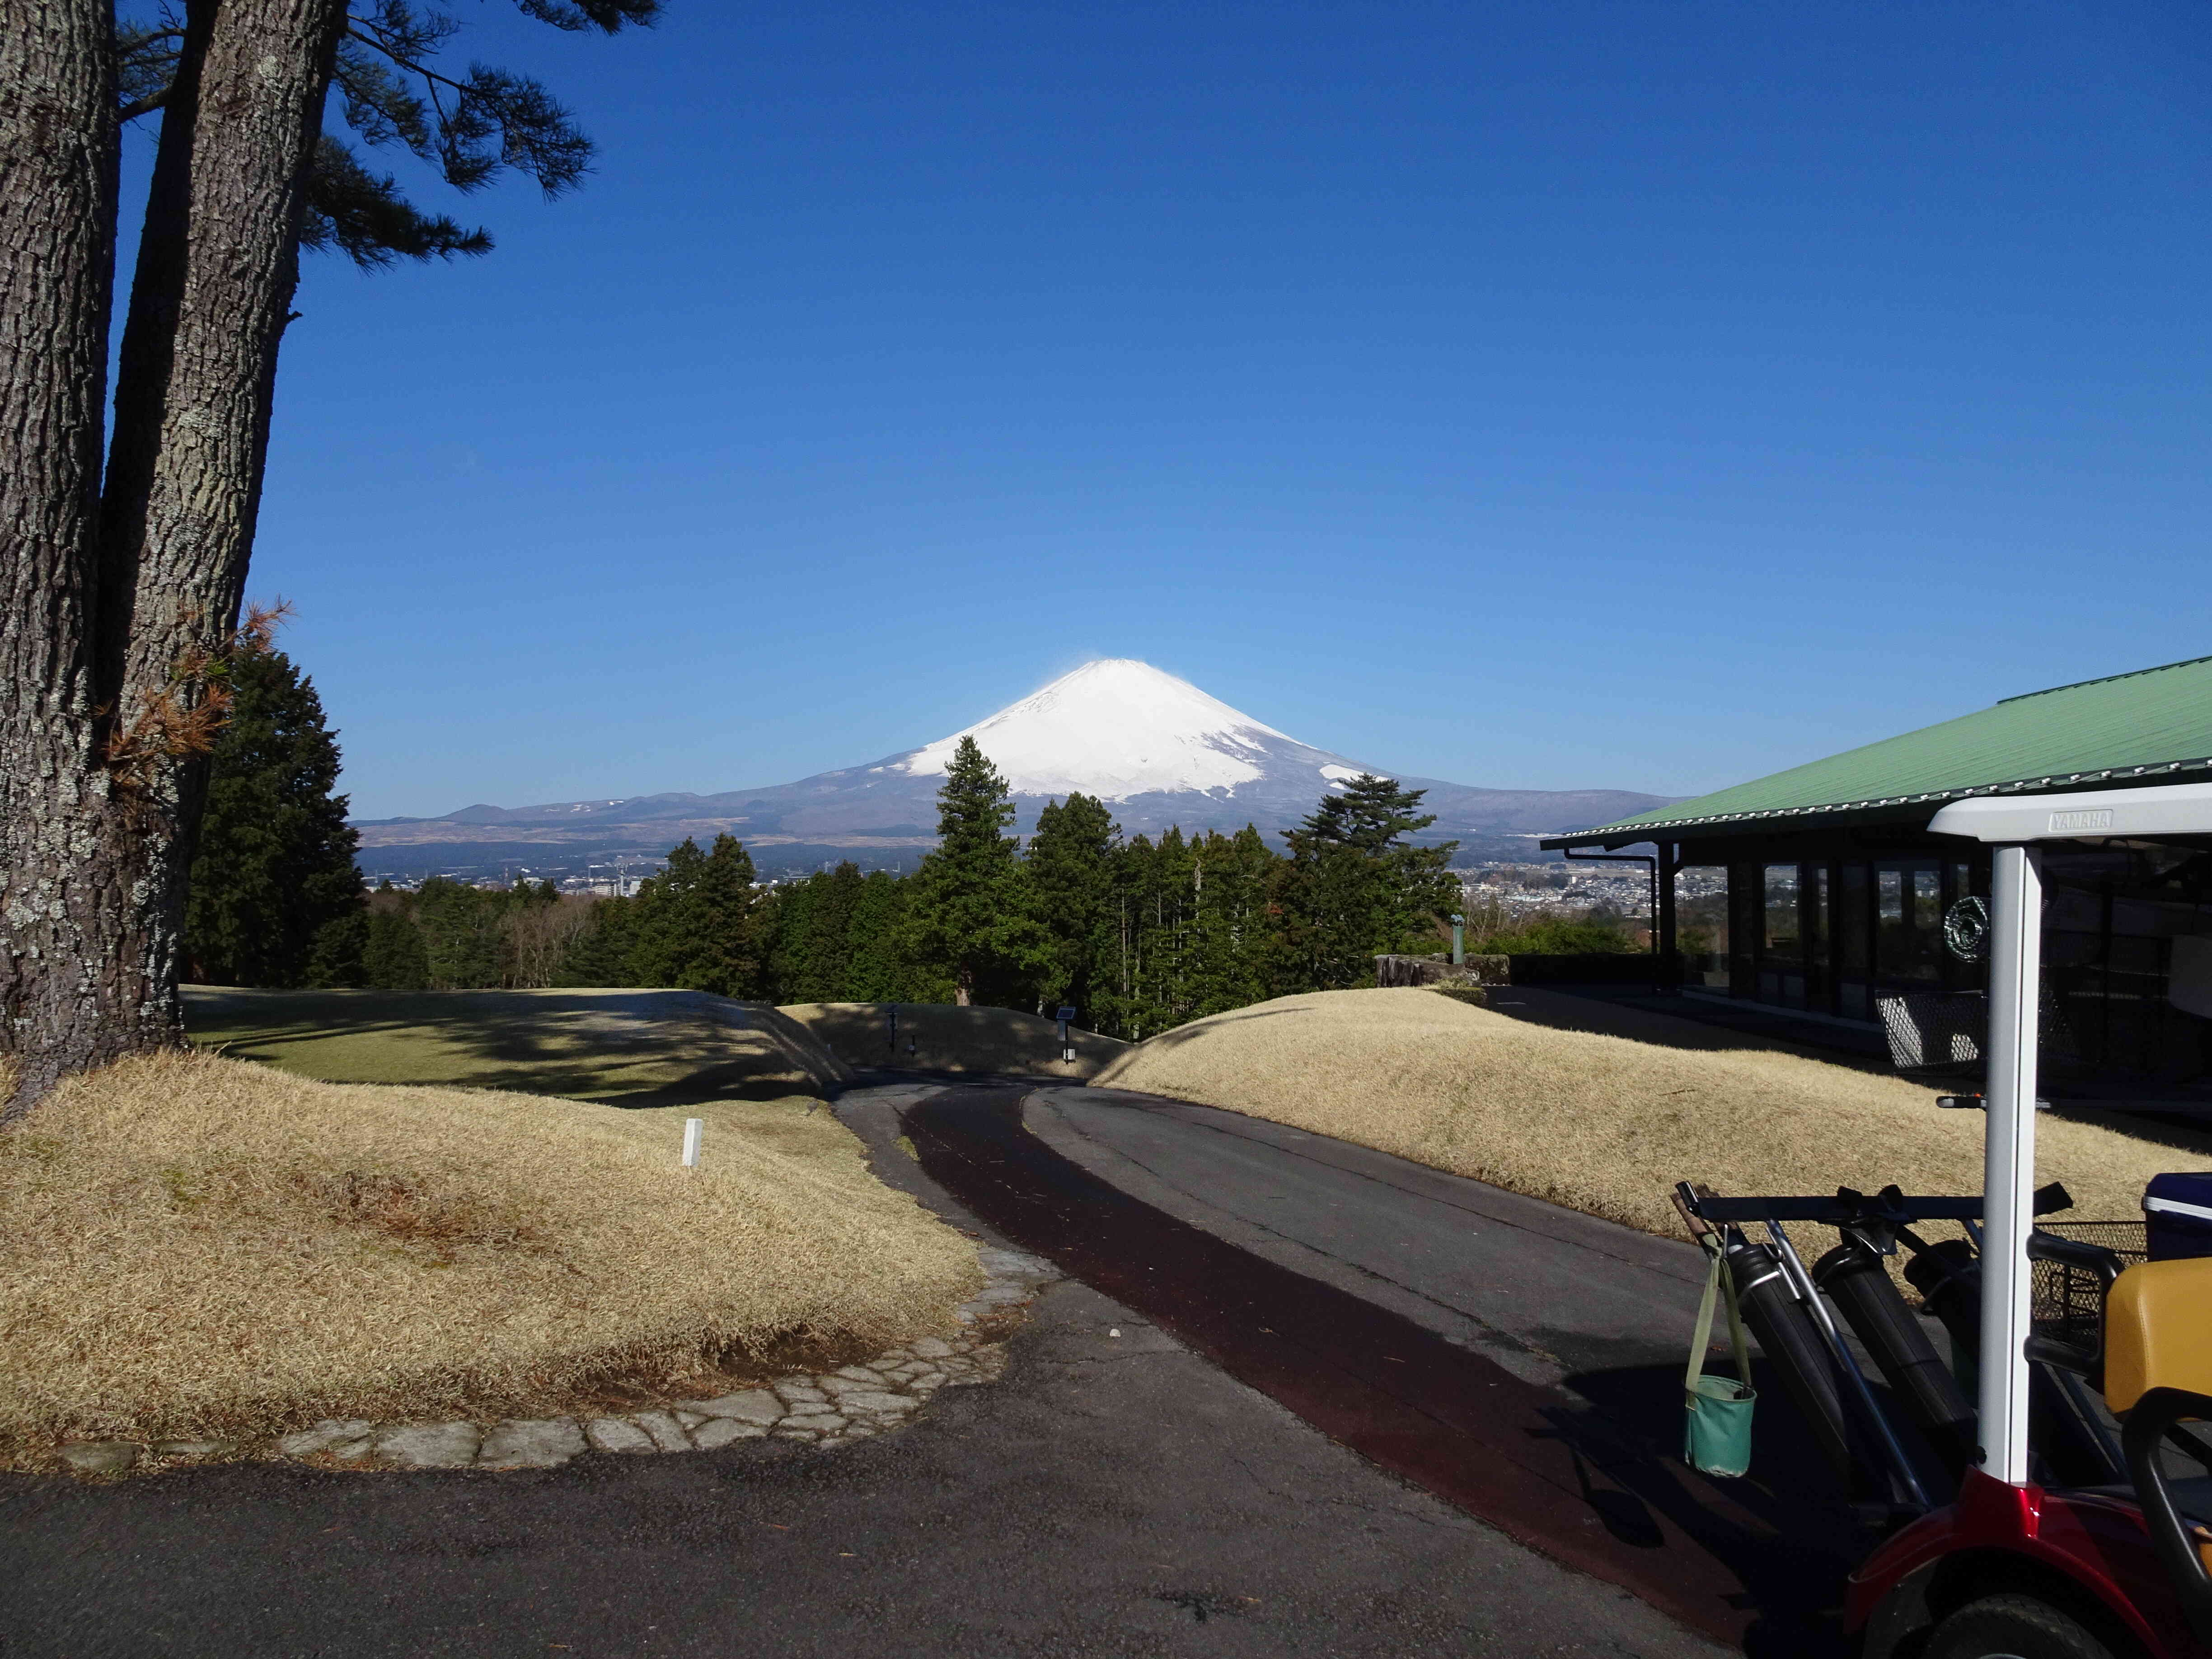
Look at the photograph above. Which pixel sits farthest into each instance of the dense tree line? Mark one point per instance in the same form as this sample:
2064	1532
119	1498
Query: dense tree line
1136	934
448	936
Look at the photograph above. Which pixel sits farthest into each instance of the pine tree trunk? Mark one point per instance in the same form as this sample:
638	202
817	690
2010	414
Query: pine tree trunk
58	161
217	266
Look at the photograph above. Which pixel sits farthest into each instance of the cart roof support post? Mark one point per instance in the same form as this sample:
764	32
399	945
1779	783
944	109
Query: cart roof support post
2014	823
2008	1156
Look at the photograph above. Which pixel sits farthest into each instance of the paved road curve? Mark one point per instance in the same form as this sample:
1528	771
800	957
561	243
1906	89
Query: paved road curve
1521	1361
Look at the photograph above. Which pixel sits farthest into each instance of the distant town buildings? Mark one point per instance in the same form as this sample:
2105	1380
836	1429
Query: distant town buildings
1530	892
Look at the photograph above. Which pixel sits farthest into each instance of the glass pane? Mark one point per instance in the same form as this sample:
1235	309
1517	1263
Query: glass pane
1927	901
1784	927
1701	925
1909	923
1853	955
1746	928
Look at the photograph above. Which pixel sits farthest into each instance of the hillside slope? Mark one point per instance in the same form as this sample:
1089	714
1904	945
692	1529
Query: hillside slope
200	1247
1601	1123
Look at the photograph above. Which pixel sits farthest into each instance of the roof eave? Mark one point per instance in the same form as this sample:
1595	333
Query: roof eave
1628	834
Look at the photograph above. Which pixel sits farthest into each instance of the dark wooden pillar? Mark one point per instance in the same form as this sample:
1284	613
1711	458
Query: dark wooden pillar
1670	960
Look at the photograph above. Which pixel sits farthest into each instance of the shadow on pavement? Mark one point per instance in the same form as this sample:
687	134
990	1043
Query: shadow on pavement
1588	1477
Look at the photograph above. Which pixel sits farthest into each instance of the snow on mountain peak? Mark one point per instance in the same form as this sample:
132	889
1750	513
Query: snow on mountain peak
1114	728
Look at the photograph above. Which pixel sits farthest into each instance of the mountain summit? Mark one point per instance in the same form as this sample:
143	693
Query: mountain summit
1156	748
1117	728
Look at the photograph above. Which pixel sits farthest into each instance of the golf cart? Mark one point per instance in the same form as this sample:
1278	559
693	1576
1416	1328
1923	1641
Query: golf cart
2075	1368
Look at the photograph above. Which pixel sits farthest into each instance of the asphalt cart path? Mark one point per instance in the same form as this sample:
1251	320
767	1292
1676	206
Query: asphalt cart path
1521	1361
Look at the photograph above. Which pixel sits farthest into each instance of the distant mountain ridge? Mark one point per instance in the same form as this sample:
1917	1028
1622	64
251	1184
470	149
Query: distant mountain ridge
1157	749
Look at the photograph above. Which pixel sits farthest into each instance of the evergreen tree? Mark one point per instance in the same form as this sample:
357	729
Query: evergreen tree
462	939
810	958
696	922
966	917
829	939
784	913
1188	931
601	951
1354	888
1229	876
393	958
275	898
1069	867
879	967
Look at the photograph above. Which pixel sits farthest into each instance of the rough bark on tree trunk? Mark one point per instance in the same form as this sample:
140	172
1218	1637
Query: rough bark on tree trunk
57	159
217	269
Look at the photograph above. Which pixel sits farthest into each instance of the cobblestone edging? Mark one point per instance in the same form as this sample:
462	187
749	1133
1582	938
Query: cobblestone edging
837	1409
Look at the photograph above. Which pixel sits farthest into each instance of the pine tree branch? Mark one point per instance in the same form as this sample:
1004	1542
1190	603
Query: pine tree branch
608	16
145	65
369	220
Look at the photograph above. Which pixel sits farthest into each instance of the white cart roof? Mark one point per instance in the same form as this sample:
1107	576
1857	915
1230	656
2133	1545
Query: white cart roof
2178	809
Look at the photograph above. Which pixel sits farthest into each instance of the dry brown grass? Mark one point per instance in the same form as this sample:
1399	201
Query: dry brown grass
195	1247
946	1038
1595	1122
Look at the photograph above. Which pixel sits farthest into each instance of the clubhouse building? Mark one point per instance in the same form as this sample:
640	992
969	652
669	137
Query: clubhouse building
1837	893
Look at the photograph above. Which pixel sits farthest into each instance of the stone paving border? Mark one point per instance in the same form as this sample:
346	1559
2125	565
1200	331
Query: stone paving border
835	1409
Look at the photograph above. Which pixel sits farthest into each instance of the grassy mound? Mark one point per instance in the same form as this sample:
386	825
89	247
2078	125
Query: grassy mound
196	1247
624	1047
1596	1122
945	1038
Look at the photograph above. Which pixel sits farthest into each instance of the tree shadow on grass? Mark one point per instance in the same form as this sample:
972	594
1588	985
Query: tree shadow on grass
1680	1025
629	1048
1199	1027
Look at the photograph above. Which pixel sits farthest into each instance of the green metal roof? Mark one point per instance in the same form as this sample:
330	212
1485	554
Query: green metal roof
2142	727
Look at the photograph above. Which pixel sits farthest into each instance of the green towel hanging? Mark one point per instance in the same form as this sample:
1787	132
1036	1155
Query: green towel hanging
1717	1422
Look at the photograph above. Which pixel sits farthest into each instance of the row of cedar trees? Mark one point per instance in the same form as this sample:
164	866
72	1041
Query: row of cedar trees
1136	934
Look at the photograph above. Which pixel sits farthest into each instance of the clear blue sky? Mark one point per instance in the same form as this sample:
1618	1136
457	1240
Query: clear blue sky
1649	394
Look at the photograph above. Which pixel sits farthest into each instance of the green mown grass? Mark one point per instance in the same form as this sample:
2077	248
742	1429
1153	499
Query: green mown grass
624	1048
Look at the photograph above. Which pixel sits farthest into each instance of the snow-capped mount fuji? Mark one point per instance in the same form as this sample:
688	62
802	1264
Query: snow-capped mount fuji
1117	729
1155	748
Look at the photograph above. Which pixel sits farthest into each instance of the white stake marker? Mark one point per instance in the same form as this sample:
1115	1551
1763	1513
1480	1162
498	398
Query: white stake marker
693	1128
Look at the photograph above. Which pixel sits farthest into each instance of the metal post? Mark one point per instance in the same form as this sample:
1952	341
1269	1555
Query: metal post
2009	1158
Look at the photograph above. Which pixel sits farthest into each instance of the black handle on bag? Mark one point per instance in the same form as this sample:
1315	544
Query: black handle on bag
1847	1206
